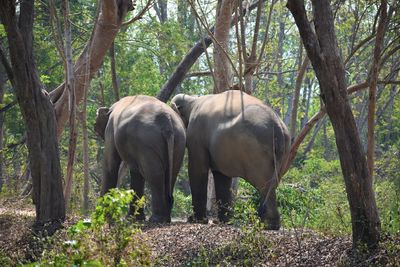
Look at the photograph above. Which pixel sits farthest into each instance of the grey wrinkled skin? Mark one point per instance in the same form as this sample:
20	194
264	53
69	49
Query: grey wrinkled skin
234	135
150	137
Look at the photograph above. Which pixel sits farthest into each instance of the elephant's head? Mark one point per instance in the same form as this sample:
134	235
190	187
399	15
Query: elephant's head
182	104
102	116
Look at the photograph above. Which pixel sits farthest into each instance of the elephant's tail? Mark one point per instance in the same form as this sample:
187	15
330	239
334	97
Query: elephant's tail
168	134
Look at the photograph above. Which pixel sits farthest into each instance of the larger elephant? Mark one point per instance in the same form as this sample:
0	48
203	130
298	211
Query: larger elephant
150	137
234	135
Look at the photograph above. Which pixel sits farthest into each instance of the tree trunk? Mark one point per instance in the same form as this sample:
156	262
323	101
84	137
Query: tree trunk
313	137
323	51
114	73
222	67
107	25
279	58
70	85
307	101
3	80
38	113
296	96
85	149
161	8
373	82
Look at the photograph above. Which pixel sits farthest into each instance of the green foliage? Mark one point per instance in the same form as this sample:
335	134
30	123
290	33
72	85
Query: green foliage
5	260
314	196
182	204
246	203
387	189
109	238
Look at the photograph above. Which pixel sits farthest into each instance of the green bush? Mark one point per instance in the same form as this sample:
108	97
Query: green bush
245	206
182	204
108	238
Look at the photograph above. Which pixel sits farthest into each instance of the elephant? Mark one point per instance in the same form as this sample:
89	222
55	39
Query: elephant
150	138
233	134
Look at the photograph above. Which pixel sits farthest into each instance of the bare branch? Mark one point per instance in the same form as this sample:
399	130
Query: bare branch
140	14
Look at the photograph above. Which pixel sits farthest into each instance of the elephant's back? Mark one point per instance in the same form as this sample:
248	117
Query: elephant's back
146	125
251	138
223	107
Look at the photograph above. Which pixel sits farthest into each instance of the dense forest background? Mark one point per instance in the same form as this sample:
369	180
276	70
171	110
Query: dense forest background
142	60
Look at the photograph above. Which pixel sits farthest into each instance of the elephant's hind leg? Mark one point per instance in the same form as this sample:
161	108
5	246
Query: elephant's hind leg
137	185
223	195
198	176
161	203
268	209
111	165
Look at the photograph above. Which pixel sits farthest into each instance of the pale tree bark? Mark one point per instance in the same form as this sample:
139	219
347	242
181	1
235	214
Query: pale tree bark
161	8
109	20
222	67
323	51
380	33
85	149
296	96
279	59
252	61
70	86
38	114
306	102
114	77
3	80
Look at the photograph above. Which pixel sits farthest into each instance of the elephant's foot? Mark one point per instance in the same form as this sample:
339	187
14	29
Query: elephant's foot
273	227
194	219
270	217
225	215
159	219
273	224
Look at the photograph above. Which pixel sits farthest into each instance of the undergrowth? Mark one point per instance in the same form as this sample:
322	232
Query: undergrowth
108	238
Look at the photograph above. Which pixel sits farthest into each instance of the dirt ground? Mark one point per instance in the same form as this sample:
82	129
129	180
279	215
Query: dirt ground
180	243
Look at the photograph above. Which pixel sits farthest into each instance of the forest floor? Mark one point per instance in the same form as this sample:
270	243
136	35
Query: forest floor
183	244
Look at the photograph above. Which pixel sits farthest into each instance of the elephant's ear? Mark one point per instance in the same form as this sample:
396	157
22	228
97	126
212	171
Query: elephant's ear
103	112
102	116
175	108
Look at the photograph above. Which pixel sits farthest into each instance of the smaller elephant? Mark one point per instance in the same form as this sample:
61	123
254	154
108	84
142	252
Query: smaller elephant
235	135
150	138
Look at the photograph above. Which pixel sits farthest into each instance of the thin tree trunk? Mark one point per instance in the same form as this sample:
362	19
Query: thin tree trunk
161	8
222	67
373	82
2	82
306	103
102	98
323	51
85	149
114	73
38	113
296	96
313	137
107	25
1	142
279	59
70	85
326	142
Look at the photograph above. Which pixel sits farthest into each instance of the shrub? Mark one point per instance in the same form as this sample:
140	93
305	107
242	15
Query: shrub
182	204
108	238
